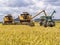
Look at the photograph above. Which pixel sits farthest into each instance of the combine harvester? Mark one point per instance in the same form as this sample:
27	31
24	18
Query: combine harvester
47	20
8	19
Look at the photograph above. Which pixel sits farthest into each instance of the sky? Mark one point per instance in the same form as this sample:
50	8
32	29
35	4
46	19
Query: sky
16	7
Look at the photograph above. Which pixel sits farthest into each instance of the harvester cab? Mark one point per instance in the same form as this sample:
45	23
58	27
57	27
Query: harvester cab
48	21
25	17
8	19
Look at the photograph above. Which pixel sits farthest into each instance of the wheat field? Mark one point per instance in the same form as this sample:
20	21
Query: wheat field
26	35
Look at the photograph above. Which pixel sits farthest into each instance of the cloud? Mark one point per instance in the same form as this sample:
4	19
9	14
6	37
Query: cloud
16	7
52	2
16	3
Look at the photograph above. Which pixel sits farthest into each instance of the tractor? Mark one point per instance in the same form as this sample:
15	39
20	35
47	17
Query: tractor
47	20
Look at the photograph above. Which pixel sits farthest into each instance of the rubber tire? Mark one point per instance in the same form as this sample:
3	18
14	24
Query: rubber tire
45	25
51	24
41	23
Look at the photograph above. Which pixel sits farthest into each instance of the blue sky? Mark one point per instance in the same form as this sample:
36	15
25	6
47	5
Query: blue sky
16	7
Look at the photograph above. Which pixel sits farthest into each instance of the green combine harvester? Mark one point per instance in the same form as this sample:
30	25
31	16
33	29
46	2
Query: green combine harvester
47	20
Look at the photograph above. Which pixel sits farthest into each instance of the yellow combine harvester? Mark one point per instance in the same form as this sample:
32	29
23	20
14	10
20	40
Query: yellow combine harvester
8	19
25	18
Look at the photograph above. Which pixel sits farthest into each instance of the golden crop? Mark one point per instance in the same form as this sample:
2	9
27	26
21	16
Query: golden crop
26	35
